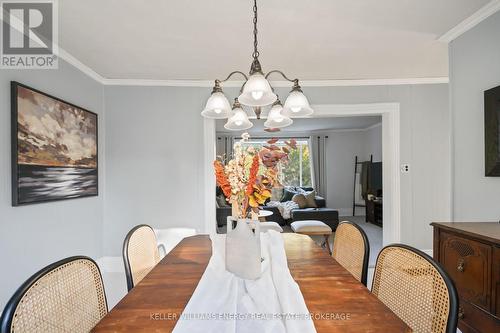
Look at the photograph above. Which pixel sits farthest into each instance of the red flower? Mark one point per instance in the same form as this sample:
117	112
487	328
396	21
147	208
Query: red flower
253	175
221	179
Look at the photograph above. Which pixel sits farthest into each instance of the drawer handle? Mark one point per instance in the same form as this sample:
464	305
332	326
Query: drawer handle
461	314
461	265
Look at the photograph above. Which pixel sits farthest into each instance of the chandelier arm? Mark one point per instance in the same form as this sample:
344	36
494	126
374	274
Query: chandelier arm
243	86
235	72
282	74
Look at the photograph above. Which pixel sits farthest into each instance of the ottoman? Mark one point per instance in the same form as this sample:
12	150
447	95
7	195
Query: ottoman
265	226
312	228
326	215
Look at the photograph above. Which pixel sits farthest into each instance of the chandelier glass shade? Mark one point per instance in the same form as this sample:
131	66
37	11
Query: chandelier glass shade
276	119
217	106
238	120
256	92
297	105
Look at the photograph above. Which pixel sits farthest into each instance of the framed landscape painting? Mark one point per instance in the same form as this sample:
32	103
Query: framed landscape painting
54	148
492	132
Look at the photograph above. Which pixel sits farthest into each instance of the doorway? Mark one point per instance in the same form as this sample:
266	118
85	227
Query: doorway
390	161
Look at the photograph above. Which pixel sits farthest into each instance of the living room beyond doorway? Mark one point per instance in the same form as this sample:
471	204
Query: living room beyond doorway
337	161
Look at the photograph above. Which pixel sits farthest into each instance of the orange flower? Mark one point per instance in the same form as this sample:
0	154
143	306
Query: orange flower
253	175
260	192
221	178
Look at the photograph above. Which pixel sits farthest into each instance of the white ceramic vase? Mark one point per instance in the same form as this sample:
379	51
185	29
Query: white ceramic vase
243	254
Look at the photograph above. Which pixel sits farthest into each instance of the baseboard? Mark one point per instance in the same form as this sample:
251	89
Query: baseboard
111	264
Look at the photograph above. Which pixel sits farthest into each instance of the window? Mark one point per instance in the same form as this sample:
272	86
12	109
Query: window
297	172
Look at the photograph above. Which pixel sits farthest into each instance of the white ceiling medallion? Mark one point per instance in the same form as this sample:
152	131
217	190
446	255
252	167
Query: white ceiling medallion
256	92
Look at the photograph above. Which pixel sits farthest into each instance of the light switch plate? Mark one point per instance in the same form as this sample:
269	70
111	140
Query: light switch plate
405	168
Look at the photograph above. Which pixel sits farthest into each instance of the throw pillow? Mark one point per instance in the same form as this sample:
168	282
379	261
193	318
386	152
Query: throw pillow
300	190
277	193
287	195
221	201
300	200
310	199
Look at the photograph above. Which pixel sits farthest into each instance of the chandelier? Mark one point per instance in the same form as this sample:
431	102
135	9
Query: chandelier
256	92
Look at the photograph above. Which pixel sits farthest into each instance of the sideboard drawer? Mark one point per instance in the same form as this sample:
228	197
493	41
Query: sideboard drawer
468	262
473	319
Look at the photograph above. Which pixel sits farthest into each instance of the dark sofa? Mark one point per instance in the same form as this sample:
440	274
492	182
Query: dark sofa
320	213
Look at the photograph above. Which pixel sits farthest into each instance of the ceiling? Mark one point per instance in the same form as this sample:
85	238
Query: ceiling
310	124
313	40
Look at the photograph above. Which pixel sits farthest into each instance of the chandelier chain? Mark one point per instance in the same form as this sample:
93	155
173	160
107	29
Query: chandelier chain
256	92
255	31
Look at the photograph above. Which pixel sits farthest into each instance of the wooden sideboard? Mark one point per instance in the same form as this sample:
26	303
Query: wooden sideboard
470	254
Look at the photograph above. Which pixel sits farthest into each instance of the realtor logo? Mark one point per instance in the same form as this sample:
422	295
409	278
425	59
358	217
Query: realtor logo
29	34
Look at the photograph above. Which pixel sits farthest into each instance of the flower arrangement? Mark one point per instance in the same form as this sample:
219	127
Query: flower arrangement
246	180
272	155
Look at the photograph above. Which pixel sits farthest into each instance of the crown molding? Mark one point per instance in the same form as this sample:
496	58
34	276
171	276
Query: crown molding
68	57
278	84
483	13
166	83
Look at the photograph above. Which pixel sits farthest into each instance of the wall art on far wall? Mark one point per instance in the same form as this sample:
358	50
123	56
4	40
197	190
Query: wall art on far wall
54	148
492	131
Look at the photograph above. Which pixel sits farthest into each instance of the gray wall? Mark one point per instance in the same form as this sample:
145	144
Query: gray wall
36	235
154	155
341	149
153	139
154	160
474	68
424	144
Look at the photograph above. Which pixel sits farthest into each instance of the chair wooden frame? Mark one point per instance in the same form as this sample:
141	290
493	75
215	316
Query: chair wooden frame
366	255
451	324
12	305
126	260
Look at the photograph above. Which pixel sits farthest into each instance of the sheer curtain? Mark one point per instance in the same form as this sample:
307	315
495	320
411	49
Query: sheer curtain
317	145
225	146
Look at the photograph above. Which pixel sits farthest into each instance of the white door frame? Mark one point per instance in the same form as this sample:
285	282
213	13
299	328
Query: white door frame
209	141
390	158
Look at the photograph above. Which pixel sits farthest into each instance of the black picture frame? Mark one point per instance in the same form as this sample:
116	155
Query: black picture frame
492	132
17	198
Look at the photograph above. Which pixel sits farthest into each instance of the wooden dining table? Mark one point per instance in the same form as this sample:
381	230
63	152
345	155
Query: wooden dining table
336	301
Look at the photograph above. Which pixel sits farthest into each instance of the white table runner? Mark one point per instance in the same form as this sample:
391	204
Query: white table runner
224	303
